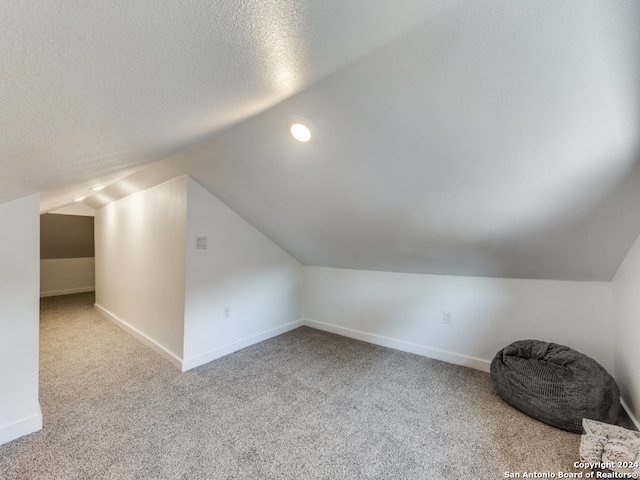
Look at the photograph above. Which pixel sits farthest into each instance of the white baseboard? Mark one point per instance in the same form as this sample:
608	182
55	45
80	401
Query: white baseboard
21	428
68	291
449	357
134	332
211	355
631	416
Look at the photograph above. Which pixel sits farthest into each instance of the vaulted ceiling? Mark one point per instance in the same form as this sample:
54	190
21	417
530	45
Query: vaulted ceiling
493	137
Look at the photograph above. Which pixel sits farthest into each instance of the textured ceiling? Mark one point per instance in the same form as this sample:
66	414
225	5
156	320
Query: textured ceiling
499	139
496	138
93	87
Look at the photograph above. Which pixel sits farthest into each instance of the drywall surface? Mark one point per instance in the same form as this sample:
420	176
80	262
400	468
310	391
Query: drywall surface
626	324
19	318
405	311
240	270
63	276
499	139
76	208
190	68
140	264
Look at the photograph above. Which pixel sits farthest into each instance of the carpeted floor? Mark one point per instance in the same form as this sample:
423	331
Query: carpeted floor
304	405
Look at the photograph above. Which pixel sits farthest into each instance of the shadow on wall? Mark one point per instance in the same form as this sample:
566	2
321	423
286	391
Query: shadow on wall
67	254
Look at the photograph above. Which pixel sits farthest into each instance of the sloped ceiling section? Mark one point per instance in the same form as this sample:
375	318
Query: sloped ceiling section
89	88
499	138
493	137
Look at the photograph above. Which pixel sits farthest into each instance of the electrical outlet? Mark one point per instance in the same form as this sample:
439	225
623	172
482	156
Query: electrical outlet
447	318
226	312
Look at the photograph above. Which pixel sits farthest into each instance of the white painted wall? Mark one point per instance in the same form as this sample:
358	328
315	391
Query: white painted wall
626	322
140	265
63	276
405	311
76	208
240	269
19	317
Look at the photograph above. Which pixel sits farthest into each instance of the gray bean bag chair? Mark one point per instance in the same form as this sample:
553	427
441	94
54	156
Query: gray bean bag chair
555	384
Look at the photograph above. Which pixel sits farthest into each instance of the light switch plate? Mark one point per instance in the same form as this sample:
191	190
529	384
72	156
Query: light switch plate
201	243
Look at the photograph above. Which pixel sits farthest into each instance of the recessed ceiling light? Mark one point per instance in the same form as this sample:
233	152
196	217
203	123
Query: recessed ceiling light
300	132
96	188
78	199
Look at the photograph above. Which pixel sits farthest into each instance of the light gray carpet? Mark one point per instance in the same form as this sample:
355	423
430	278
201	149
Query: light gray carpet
305	405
